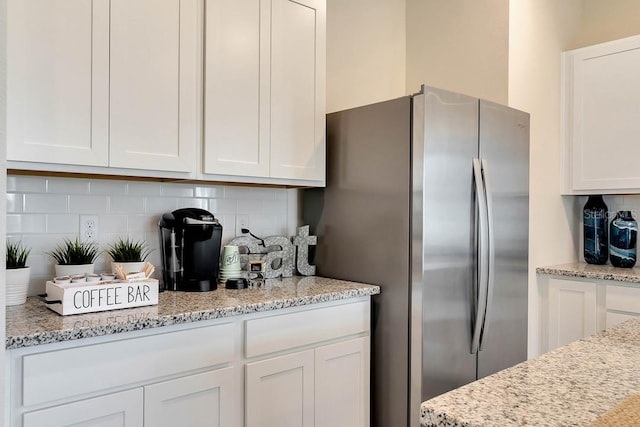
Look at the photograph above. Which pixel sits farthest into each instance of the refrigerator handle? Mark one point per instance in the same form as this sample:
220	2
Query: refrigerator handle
483	252
492	251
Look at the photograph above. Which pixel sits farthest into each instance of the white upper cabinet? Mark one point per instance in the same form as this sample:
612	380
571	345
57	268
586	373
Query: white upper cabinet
601	118
104	83
297	89
225	90
153	84
236	100
58	81
265	90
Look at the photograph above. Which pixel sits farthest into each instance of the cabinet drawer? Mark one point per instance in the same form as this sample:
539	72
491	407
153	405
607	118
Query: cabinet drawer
621	298
285	331
123	409
614	319
73	372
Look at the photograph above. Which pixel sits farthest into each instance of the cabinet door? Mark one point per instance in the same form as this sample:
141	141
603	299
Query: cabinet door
572	312
279	391
601	123
236	113
209	399
153	84
113	410
297	83
58	81
342	384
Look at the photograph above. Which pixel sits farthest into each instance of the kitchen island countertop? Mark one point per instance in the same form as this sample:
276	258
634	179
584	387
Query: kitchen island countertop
592	271
33	323
570	386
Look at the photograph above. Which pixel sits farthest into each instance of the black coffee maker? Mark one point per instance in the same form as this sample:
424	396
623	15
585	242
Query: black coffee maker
190	241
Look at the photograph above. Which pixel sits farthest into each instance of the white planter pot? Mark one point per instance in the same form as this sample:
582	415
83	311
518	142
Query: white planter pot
17	280
128	267
70	270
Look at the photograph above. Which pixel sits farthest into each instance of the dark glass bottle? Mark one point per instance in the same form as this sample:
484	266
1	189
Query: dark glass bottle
624	235
596	228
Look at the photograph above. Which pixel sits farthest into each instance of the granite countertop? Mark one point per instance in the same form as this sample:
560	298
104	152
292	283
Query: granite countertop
33	324
570	386
591	271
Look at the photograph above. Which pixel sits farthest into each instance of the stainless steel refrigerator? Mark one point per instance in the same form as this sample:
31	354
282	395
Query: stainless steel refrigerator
427	196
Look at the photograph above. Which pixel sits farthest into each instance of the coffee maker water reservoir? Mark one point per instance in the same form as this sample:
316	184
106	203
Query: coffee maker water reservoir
190	239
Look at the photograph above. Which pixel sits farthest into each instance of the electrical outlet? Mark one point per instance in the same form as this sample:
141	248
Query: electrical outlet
242	221
89	228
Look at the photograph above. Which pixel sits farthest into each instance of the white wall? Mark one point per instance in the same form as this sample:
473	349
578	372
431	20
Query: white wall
539	31
365	52
459	45
41	211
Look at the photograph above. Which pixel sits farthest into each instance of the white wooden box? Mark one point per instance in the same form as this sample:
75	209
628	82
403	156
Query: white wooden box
76	298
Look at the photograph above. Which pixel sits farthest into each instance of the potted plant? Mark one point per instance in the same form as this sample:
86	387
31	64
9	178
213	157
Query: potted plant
17	274
131	255
74	257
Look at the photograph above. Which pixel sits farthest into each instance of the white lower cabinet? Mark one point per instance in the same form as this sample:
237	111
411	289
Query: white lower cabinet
122	409
206	399
573	309
342	384
300	366
325	387
309	368
571	312
279	391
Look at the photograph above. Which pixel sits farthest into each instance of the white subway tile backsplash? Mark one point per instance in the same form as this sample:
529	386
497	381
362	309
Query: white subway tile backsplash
25	224
26	184
113	223
267	225
63	223
177	190
107	187
88	204
38	263
193	203
160	204
209	192
37	283
45	203
246	206
143	223
274	207
136	188
263	193
15	202
237	192
228	223
39	243
68	186
43	211
223	206
137	236
282	194
126	204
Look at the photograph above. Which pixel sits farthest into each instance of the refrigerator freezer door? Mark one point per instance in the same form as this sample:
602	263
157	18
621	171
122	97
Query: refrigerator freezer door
504	144
449	280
